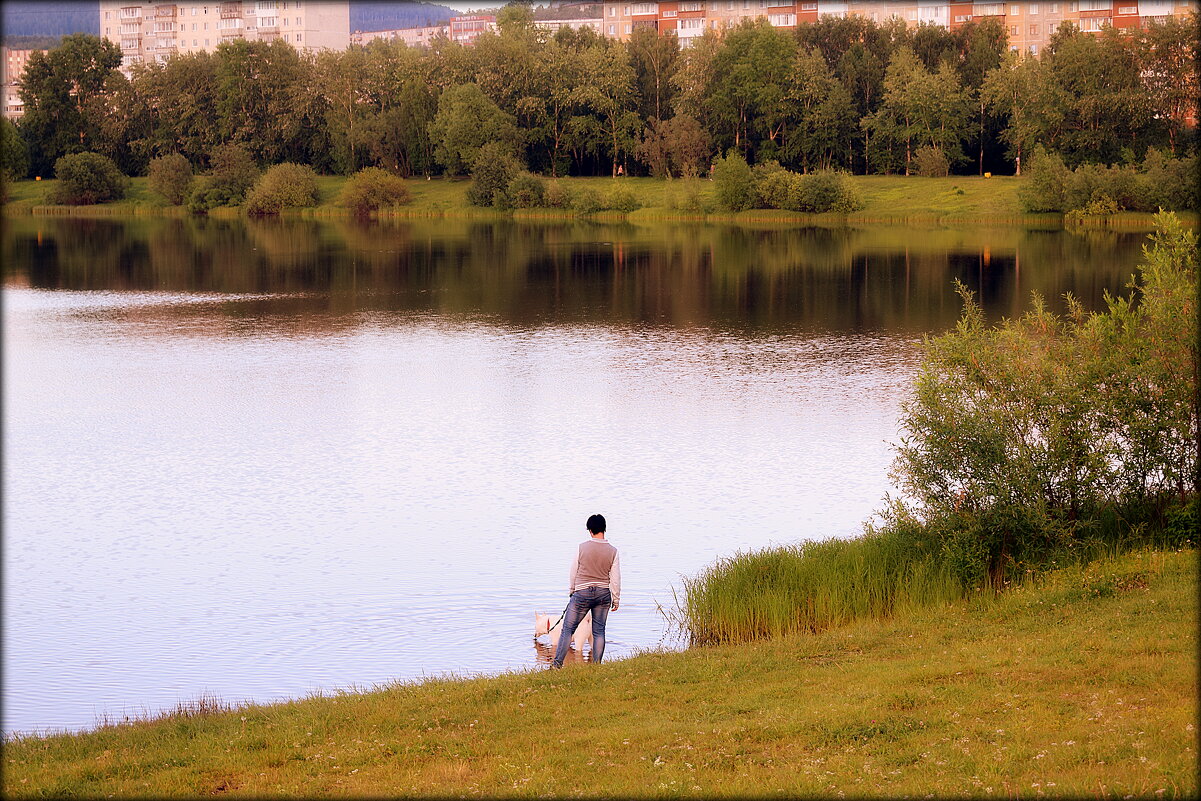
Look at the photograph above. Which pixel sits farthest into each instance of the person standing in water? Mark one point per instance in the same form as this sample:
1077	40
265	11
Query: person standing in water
594	585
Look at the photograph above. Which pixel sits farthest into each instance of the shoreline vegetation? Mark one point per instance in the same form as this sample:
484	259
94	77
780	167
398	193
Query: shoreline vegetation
887	200
1079	683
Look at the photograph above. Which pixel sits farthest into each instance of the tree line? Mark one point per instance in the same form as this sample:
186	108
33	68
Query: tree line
846	94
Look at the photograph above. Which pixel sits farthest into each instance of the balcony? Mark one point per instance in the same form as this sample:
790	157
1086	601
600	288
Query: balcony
165	12
231	10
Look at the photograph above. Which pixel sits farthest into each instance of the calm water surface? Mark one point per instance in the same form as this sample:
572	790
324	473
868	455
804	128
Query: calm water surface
261	460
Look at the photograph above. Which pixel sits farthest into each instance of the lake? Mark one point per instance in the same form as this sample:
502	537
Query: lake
259	460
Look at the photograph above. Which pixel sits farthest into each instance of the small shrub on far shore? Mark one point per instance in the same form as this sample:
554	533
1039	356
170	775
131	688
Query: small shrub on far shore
620	198
494	168
735	182
371	189
557	196
170	177
932	162
527	191
284	186
87	178
586	201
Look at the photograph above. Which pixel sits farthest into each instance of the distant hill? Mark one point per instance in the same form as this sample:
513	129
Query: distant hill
38	18
383	16
34	18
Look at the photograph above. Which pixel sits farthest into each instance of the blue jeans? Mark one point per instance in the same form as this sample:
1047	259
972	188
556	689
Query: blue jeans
594	599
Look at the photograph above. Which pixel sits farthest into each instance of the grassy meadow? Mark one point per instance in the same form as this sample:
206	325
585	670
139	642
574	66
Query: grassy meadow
1080	684
886	198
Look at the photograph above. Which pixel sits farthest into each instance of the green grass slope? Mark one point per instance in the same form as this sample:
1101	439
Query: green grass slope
1082	686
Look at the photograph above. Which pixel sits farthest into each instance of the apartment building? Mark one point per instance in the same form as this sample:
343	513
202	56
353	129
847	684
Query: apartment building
12	64
156	31
413	37
1030	25
466	29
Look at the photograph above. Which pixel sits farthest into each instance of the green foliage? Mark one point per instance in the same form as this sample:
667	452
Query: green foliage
621	198
371	189
1160	182
170	177
232	175
814	586
283	186
527	191
1018	435
491	174
467	120
815	193
61	90
1046	178
87	178
557	196
931	162
734	182
14	155
586	201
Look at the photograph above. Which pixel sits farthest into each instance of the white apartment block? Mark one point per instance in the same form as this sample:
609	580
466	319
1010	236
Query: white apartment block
156	31
12	64
412	37
1030	25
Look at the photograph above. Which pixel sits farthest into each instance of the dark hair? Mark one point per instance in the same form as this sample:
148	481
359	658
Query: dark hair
596	524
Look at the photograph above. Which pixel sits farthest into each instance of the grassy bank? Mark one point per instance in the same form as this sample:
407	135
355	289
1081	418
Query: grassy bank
887	199
1082	685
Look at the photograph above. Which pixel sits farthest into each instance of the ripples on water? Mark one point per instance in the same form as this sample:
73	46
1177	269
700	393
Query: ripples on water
260	494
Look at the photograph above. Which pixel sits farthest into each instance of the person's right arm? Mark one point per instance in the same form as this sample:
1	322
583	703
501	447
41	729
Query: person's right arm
575	566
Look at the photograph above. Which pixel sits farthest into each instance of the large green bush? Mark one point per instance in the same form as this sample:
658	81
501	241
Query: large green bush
371	189
87	178
932	162
1021	437
231	175
284	186
170	177
815	193
1160	182
734	182
493	171
527	191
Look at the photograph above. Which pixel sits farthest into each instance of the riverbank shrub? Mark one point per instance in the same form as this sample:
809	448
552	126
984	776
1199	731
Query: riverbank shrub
371	189
734	182
557	196
1160	182
85	179
283	186
170	177
932	162
232	173
491	173
814	193
621	198
1020	436
527	191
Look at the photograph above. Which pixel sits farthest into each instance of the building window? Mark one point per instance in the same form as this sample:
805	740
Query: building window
298	35
668	14
808	6
627	27
782	20
1033	8
1034	30
1128	10
612	30
612	11
1093	24
1053	27
1013	30
692	6
106	14
1034	50
206	42
778	3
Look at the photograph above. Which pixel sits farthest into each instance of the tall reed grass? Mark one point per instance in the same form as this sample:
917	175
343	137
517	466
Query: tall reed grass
811	587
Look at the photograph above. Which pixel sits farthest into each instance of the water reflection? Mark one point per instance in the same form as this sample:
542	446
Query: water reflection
896	279
257	459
